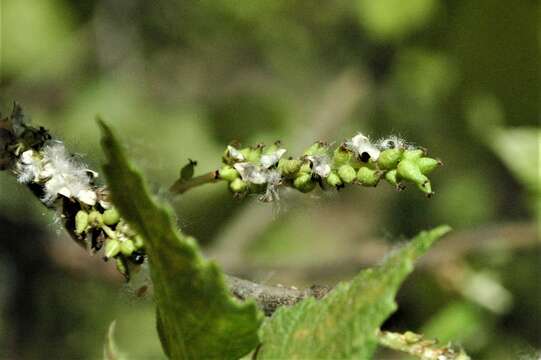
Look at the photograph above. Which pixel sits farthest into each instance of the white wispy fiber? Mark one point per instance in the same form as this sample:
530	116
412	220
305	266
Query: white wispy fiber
392	142
321	164
235	153
268	160
60	174
28	168
362	144
251	173
274	180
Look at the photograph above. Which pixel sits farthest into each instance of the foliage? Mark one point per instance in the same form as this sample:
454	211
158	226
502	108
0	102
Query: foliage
345	323
197	318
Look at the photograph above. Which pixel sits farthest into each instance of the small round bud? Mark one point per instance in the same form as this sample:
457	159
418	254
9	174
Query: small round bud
238	185
341	156
127	247
289	167
408	170
306	168
347	173
411	337
138	242
317	148
111	216
228	173
333	179
414	154
368	177
427	165
112	248
95	218
251	154
388	159
304	183
391	177
81	222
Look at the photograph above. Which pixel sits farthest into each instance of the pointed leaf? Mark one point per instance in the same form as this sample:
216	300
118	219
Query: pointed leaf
198	319
344	324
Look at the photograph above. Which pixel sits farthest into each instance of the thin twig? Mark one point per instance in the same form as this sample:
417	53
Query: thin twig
182	185
270	298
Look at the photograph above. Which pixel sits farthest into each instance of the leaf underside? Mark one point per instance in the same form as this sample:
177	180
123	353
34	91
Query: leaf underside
344	324
198	319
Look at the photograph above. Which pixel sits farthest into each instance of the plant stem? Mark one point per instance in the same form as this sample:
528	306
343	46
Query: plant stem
416	345
270	298
182	185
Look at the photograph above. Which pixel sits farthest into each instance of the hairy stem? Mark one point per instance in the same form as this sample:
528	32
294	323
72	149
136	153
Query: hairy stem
270	298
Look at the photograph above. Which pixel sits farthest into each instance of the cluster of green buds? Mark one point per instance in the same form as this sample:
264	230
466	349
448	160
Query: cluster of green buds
107	229
62	182
263	170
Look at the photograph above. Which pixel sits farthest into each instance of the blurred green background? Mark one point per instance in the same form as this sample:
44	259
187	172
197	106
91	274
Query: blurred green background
180	79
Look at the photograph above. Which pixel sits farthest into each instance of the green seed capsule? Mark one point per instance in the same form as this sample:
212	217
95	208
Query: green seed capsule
368	177
238	185
306	168
391	177
427	165
289	167
81	222
316	148
122	267
304	183
138	242
426	187
111	216
228	173
412	338
341	156
347	173
413	154
95	218
408	170
127	247
388	159
333	179
112	248
251	154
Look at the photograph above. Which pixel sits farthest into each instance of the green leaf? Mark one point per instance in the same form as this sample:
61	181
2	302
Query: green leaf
344	324
198	319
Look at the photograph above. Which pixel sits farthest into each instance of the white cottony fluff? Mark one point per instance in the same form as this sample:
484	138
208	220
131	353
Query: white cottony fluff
69	177
28	167
251	173
274	179
391	142
59	173
234	153
361	144
321	164
268	160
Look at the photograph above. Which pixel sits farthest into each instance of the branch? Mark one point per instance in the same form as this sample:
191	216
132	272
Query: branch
182	185
416	345
270	298
63	183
